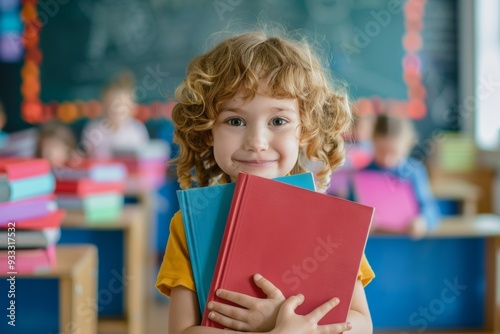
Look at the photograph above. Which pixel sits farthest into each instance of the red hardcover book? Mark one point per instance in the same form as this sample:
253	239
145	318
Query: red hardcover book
20	168
52	220
302	241
84	187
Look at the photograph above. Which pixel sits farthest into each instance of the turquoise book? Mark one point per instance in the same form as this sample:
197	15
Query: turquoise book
204	215
26	188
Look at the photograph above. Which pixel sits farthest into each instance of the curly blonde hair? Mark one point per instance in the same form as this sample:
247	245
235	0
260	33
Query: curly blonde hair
291	70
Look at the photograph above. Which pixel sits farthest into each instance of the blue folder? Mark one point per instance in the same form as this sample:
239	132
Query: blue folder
204	214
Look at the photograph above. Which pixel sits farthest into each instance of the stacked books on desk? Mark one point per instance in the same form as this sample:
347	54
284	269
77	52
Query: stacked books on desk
302	241
146	166
29	216
95	188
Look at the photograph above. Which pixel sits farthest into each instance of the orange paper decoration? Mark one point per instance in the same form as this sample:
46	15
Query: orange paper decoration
67	112
32	111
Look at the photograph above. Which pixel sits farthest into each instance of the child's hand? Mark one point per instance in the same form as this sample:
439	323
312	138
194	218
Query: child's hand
289	322
257	315
418	228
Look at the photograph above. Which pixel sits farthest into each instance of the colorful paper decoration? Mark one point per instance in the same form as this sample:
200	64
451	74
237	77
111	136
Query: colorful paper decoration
415	107
412	43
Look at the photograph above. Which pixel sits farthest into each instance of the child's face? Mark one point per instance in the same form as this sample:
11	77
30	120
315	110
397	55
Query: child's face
118	106
390	151
258	136
55	151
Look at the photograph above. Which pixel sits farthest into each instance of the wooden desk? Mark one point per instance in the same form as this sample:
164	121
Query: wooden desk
480	226
468	194
76	270
133	224
480	177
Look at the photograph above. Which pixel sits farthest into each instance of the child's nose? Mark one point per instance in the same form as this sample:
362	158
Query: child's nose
256	139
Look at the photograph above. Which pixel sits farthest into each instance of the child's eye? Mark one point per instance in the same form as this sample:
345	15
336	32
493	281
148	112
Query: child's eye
278	121
235	122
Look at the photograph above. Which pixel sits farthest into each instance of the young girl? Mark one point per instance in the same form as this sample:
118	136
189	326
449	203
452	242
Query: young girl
260	105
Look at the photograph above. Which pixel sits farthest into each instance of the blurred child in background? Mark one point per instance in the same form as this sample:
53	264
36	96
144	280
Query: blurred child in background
360	149
359	153
393	140
117	129
56	143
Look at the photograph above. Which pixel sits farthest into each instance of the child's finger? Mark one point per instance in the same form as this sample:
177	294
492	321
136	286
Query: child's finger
317	314
292	303
267	287
335	328
236	297
228	322
233	312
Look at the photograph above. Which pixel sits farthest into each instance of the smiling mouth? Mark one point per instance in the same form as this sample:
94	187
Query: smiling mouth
256	163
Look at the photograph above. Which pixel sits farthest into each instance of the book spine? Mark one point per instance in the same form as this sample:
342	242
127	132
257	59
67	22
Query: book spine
27	168
187	221
31	187
51	220
20	210
227	239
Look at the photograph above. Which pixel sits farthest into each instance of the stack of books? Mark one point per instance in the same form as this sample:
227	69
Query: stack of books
29	216
94	188
146	167
301	240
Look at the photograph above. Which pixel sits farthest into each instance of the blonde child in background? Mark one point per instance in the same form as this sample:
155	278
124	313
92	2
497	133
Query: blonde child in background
393	140
262	105
56	143
117	129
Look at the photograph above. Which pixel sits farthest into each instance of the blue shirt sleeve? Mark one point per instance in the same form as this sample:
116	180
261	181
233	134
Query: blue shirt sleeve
426	201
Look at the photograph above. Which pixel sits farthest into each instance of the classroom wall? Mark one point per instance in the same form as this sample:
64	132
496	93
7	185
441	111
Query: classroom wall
86	42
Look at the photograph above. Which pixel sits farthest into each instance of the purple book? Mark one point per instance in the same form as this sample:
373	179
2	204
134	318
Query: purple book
26	209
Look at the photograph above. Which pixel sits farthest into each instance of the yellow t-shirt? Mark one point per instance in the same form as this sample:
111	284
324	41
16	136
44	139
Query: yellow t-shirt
176	269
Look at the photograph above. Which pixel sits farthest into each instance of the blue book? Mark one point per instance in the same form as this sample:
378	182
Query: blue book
26	188
204	215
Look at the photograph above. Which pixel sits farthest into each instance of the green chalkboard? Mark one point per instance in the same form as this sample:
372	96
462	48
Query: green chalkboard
86	42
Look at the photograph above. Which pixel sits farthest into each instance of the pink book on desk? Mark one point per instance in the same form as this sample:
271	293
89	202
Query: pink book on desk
302	241
20	168
393	198
28	261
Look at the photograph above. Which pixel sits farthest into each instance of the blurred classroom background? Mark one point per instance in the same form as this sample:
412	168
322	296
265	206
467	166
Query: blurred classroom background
94	230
